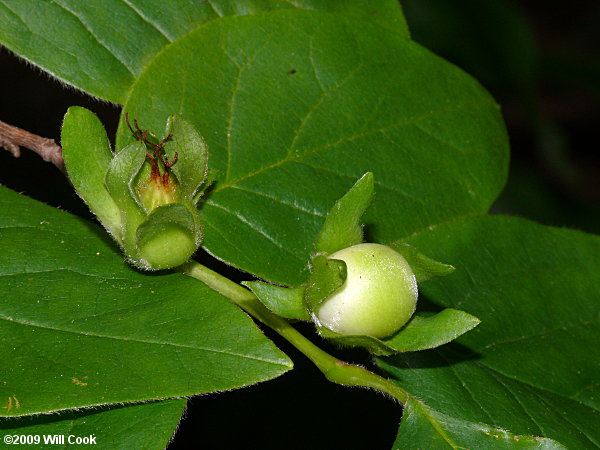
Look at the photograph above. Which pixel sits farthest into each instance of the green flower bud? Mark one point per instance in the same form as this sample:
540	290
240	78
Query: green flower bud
146	194
154	192
378	297
166	238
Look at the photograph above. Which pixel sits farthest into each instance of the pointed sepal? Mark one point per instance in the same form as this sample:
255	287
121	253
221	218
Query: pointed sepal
327	276
422	332
192	156
342	227
285	302
87	154
422	266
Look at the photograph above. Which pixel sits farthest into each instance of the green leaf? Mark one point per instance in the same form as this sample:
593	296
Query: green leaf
422	332
76	41
191	166
528	367
285	302
327	275
147	426
87	155
423	267
82	328
423	427
342	227
305	103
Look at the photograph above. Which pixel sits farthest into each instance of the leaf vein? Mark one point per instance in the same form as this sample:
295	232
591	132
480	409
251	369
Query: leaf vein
148	21
278	200
322	97
66	269
96	38
497	376
566	418
224	237
465	386
254	227
231	104
134	340
349	139
353	178
437	425
541	333
214	8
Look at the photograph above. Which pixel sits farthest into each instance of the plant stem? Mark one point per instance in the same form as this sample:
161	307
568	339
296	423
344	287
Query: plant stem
334	369
13	138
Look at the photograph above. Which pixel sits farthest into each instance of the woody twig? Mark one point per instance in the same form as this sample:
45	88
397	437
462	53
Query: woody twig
13	138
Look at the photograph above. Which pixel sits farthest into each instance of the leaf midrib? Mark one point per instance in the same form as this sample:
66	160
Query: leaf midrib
435	423
138	341
496	374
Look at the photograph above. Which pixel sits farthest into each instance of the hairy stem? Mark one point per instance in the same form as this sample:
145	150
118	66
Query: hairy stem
335	370
13	138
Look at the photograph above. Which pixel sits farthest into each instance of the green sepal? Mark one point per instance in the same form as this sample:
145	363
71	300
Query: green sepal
285	302
121	172
192	156
211	177
167	238
87	154
422	266
425	332
342	227
422	332
166	229
326	276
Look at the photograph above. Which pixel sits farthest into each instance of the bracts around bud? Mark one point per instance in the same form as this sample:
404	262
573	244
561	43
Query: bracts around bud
145	194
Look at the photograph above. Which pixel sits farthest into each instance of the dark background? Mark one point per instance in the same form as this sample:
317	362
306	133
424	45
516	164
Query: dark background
541	63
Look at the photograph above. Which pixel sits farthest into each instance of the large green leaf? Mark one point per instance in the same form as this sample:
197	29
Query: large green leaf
147	426
80	327
100	47
531	365
296	105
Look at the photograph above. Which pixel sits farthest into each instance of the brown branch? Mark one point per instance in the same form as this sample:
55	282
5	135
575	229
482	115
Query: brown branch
13	138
